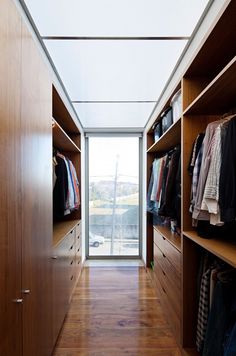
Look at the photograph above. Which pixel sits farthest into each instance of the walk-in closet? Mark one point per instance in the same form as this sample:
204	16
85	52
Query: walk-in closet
118	178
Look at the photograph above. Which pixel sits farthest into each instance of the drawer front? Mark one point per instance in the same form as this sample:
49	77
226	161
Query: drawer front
78	240
78	230
168	268
168	250
78	250
171	291
172	317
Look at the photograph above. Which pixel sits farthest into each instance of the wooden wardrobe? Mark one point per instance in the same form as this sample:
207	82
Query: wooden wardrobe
208	91
28	278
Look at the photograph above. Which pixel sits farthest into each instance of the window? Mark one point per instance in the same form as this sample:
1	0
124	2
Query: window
114	207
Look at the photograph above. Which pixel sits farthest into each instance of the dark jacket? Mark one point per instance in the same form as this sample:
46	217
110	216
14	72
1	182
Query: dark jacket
227	188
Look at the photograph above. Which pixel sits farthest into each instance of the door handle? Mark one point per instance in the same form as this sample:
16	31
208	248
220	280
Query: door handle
18	300
26	291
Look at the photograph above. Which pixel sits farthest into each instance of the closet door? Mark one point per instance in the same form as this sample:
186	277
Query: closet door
10	185
36	152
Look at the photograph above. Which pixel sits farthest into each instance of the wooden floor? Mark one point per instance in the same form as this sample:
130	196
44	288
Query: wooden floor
114	311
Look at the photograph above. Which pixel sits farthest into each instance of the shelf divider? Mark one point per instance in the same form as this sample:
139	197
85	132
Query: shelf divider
61	140
225	250
169	139
219	96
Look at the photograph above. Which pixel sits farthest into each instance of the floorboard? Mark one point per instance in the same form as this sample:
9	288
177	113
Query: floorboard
115	311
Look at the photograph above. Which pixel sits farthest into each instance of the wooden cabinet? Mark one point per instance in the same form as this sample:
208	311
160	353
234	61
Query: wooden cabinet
66	270
208	92
29	290
10	184
167	275
36	217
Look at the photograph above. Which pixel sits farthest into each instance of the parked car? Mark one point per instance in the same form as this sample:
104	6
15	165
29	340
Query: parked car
95	240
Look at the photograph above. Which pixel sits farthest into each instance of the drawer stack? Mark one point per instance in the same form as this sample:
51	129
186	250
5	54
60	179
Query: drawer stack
67	267
78	251
167	276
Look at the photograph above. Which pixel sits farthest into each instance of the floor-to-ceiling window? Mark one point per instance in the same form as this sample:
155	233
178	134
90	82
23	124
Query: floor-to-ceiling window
113	196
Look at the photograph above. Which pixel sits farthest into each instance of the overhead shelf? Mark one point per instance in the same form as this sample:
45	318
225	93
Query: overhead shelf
219	96
168	140
61	140
225	250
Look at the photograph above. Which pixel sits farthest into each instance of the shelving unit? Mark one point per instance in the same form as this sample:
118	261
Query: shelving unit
164	246
225	250
66	138
208	89
218	96
61	140
168	140
66	239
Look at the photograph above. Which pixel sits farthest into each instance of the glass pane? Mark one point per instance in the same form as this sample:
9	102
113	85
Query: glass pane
114	70
116	18
114	115
113	196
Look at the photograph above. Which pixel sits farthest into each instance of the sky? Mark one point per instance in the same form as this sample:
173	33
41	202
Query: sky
103	153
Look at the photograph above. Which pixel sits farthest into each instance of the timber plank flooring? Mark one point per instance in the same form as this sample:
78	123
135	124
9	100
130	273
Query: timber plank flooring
114	311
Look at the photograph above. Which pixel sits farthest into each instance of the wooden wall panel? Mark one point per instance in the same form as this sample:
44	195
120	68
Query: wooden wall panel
10	186
36	151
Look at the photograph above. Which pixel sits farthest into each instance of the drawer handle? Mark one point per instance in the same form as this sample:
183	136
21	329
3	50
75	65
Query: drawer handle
71	278
163	272
163	290
163	237
18	300
164	255
71	247
54	257
71	232
72	262
78	249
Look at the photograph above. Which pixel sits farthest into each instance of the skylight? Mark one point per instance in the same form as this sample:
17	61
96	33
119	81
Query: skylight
114	57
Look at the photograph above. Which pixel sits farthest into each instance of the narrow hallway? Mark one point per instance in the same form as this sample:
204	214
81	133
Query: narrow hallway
114	311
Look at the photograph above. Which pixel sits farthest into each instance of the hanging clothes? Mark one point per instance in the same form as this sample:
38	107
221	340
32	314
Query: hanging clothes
213	190
164	190
227	186
66	195
60	190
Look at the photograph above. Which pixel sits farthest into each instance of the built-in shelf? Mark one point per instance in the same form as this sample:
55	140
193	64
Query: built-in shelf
225	250
61	229
169	139
61	140
219	96
173	238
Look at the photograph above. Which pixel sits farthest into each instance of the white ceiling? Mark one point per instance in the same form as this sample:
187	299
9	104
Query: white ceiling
115	83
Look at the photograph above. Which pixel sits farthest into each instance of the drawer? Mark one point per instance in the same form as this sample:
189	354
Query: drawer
78	230
173	275
172	317
78	241
171	253
78	250
171	290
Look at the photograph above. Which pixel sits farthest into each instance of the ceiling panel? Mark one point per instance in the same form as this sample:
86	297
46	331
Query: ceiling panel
114	114
114	70
130	71
116	18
